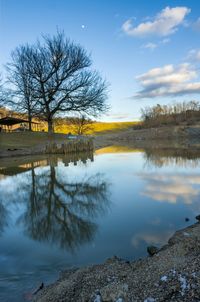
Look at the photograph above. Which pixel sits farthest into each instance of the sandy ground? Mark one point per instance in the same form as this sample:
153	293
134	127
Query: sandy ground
173	274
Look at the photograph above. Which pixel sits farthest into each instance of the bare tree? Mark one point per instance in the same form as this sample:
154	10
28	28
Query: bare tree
22	94
3	94
171	114
81	124
62	79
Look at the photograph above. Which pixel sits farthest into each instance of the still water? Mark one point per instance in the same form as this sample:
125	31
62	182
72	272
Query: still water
57	213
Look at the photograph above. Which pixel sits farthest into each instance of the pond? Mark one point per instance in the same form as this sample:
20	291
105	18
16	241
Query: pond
63	212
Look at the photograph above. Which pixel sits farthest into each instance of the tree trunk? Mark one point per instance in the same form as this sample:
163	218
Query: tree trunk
29	121
29	124
50	126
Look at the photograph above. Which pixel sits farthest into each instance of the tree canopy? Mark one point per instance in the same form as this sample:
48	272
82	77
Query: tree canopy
54	77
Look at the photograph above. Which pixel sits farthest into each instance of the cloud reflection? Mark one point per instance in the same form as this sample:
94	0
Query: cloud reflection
171	187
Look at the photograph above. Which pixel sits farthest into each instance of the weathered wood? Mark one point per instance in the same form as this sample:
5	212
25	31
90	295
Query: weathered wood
75	146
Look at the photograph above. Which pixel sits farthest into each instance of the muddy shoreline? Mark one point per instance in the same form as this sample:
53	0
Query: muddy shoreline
173	274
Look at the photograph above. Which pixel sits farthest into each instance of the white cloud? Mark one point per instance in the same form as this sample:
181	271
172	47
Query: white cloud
150	46
194	55
168	80
165	23
172	188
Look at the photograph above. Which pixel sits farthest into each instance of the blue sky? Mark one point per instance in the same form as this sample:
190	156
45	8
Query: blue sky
149	51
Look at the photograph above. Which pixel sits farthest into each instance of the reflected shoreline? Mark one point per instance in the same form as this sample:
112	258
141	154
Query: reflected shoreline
44	160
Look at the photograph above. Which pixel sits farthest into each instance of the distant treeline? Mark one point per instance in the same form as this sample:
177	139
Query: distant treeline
175	114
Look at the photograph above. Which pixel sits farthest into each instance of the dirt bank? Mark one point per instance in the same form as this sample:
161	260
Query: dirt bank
174	136
173	274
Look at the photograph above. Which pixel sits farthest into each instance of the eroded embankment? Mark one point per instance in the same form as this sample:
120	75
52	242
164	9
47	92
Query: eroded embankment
171	275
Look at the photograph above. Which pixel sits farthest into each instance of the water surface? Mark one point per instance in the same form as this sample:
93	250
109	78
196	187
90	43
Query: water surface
57	213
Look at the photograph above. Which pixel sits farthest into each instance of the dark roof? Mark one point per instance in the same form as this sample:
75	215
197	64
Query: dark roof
9	121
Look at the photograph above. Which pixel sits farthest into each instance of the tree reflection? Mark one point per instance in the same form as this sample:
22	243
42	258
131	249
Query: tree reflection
61	211
172	156
3	217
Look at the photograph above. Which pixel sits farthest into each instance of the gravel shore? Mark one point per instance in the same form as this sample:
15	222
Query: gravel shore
173	274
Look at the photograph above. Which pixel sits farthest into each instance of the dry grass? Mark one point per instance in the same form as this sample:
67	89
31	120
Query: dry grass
98	127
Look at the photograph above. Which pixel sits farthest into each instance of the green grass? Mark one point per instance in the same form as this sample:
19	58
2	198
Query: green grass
26	139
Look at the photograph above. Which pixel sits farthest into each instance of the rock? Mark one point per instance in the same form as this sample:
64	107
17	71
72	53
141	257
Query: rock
187	219
198	217
114	292
39	288
152	250
113	259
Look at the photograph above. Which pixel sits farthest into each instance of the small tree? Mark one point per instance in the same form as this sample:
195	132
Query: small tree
61	79
80	125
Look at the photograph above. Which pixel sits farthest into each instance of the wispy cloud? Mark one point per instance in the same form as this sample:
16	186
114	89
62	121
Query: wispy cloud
150	46
120	116
194	55
196	24
165	41
164	23
168	80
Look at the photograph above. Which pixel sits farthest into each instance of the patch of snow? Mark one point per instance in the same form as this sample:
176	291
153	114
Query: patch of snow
149	300
97	298
163	278
174	272
183	284
186	234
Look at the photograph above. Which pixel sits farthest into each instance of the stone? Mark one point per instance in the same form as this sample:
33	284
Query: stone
198	217
152	250
114	292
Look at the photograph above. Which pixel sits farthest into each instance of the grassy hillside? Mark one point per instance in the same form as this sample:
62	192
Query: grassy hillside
98	127
36	139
